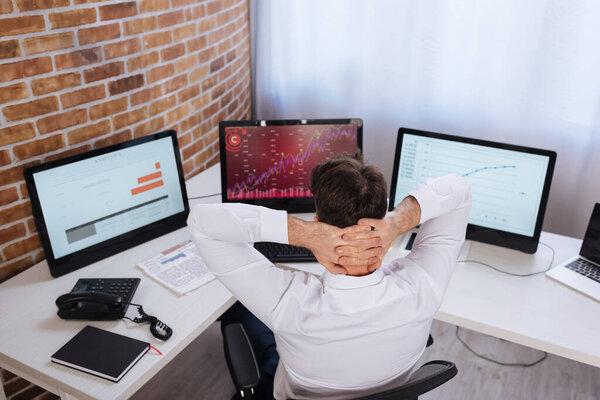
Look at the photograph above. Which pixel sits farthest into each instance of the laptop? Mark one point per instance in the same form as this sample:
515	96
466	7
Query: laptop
582	272
268	163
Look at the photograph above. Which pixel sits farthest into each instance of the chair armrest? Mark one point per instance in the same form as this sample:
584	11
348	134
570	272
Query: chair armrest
240	357
426	378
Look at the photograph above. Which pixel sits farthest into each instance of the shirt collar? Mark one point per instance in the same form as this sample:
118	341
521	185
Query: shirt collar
337	281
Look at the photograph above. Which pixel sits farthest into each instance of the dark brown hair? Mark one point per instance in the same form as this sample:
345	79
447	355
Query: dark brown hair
345	190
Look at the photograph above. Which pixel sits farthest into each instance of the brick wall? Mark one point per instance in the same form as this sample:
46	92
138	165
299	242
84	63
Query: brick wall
80	74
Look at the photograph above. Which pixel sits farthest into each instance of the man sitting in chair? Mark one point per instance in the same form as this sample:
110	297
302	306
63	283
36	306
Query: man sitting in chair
358	329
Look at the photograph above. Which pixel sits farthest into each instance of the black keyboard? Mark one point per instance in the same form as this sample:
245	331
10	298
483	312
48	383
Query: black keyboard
585	268
278	252
124	287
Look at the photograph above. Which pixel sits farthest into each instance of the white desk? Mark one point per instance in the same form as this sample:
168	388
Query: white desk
533	311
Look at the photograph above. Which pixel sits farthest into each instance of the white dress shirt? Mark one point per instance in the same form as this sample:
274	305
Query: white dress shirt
339	336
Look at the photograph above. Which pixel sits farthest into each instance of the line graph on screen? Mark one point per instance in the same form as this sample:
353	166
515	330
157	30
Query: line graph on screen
276	162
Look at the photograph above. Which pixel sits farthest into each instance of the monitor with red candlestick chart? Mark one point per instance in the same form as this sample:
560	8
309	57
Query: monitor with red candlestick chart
269	162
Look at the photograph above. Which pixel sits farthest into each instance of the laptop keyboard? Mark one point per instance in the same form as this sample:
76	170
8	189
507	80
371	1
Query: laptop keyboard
585	268
279	252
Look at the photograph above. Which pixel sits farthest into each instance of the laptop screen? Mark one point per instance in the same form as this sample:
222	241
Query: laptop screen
590	248
509	184
269	162
95	197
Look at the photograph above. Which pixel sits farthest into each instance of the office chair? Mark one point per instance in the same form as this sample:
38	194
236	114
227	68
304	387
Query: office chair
246	376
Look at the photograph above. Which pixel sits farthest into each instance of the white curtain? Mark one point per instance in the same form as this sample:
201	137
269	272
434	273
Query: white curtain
525	72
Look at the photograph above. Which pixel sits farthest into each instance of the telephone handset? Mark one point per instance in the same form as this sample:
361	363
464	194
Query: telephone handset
91	305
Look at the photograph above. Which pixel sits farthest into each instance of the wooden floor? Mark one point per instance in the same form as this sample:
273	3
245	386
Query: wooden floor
200	371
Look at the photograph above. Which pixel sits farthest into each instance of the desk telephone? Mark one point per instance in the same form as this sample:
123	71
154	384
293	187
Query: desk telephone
107	299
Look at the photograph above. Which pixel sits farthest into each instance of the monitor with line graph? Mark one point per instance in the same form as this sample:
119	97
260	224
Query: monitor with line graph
93	205
509	183
268	163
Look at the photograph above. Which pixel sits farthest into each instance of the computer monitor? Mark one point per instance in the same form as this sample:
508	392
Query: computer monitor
92	205
268	163
509	183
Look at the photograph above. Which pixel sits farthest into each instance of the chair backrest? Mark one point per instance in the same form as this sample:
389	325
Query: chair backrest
426	378
240	358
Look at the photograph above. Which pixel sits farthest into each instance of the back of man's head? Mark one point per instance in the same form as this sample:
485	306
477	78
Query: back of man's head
345	190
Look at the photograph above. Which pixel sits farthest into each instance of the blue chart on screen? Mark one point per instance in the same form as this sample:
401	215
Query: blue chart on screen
506	185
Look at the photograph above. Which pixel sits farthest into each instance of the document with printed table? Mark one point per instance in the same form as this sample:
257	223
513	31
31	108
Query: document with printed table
101	353
179	268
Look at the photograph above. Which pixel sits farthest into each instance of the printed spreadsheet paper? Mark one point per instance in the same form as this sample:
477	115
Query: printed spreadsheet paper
180	268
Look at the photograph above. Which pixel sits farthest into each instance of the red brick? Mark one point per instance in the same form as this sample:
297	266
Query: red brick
113	139
25	68
71	152
42	44
125	84
5	158
173	52
15	92
214	7
154	5
123	48
178	113
143	61
88	132
201	102
217	64
6	7
207	54
78	58
136	26
24	191
146	95
21	247
199	73
207	25
70	18
12	232
181	3
197	43
216	36
82	96
99	34
14	174
31	108
185	63
188	167
157	39
210	110
218	91
9	48
61	121
195	13
86	1
30	5
8	196
184	32
188	93
188	123
31	228
130	118
16	212
109	108
158	73
118	11
175	84
19	25
148	127
163	104
170	19
37	147
104	71
55	83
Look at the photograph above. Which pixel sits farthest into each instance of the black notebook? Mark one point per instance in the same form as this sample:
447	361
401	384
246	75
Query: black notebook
101	353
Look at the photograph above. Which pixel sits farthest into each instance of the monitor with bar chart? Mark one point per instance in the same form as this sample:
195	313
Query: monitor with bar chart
509	184
269	162
91	204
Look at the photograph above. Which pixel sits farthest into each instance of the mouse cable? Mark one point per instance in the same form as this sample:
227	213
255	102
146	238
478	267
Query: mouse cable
204	197
510	273
506	364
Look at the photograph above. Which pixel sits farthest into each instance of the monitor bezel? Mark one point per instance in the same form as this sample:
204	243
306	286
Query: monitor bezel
527	244
292	205
81	258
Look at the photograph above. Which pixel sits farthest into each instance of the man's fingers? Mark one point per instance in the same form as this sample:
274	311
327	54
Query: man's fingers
336	269
372	222
348	237
348	260
360	247
356	229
